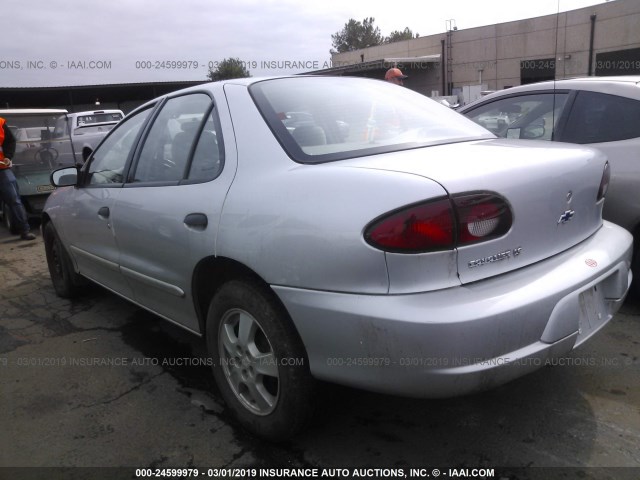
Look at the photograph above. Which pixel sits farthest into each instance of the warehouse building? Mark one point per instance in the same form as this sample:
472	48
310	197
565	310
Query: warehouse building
123	97
600	40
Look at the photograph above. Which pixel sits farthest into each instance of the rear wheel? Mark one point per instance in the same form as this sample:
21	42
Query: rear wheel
66	282
260	364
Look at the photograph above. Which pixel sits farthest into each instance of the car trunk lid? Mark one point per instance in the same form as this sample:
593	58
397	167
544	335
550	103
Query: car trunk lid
551	190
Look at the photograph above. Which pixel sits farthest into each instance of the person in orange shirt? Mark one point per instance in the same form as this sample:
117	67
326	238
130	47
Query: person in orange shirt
9	193
384	121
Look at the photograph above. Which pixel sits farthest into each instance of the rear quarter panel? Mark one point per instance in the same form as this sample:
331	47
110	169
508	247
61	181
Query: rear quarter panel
302	225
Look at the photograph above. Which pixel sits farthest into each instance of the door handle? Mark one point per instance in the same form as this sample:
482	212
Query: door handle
104	212
197	221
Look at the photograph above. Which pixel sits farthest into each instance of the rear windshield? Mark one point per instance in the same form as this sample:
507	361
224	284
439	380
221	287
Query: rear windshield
320	119
84	120
42	141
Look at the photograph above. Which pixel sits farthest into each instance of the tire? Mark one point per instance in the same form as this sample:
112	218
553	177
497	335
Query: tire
66	282
263	376
8	220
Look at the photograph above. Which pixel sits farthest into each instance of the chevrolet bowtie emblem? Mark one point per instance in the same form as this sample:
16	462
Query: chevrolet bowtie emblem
566	216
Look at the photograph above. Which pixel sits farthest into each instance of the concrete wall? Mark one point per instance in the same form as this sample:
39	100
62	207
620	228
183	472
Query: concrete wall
492	54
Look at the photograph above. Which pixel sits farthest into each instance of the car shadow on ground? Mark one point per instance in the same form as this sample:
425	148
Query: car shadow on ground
542	419
562	415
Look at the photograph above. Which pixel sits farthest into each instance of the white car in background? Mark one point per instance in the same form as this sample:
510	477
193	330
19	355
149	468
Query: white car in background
602	112
89	128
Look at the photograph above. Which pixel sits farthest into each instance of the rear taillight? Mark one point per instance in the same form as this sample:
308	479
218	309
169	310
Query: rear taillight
604	183
419	228
441	224
481	217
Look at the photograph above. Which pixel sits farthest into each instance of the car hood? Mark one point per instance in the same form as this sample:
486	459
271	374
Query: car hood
551	189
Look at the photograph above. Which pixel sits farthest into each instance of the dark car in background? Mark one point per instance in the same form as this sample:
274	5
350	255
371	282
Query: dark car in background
43	144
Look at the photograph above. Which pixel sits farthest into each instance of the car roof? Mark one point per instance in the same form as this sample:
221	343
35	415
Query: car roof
31	111
619	78
622	85
93	112
582	81
247	81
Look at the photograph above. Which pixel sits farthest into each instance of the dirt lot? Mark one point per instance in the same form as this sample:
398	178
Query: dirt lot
99	382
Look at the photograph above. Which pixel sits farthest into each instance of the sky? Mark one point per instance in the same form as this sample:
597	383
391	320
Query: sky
91	42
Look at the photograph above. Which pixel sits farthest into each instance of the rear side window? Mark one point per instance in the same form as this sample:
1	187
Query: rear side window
208	156
600	117
83	120
532	116
166	150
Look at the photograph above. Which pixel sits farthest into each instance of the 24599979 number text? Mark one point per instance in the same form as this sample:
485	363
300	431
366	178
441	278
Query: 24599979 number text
168	65
196	472
358	362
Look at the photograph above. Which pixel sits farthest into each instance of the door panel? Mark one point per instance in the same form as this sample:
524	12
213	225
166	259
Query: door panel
93	244
93	241
166	217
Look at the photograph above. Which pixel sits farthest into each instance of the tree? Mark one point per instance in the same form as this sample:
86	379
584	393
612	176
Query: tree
356	35
227	69
397	36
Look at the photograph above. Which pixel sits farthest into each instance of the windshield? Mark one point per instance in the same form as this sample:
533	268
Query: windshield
320	119
42	141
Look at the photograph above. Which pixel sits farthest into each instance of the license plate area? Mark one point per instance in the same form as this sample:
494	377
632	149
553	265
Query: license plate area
45	188
594	312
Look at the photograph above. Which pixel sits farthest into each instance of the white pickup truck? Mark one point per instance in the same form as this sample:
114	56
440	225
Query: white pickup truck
87	129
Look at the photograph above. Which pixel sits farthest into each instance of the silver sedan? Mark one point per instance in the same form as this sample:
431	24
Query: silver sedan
341	229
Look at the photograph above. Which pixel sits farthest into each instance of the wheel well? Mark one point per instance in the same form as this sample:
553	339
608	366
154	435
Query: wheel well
636	232
213	272
45	219
636	242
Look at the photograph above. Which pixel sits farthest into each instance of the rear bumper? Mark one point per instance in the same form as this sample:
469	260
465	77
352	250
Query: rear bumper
463	339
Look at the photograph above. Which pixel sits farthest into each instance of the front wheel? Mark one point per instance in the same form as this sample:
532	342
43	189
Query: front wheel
260	364
66	282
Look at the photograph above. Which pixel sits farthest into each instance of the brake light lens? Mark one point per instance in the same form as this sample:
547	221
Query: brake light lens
418	228
604	183
441	224
481	217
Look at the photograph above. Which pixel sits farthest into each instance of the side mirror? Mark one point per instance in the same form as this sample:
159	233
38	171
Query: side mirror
533	131
64	177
